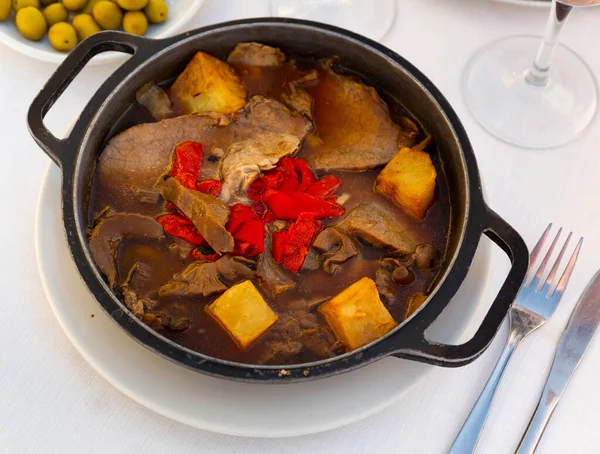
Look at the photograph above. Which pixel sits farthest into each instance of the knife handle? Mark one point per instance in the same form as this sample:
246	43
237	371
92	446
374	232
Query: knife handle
539	420
470	432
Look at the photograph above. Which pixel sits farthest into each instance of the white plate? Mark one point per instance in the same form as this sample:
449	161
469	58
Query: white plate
538	3
257	410
180	12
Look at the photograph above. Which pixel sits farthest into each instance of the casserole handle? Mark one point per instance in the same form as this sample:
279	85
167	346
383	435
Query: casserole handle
57	149
422	349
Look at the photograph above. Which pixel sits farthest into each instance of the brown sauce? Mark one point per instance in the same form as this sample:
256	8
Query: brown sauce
160	260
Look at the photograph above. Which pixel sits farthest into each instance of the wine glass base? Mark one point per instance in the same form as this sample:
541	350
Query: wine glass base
520	113
359	16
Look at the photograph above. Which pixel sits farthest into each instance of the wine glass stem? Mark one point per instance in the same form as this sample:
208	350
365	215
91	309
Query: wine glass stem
539	73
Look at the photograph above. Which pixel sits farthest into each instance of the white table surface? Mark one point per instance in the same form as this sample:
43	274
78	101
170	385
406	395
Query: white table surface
51	400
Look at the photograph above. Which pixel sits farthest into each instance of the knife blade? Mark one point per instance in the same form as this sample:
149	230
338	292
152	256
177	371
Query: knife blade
572	346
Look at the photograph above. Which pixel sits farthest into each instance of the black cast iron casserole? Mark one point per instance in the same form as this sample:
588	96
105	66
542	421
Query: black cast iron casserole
160	60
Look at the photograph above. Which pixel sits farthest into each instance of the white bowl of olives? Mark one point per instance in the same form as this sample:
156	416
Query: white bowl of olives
48	29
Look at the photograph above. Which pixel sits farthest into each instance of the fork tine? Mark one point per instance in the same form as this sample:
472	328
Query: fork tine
538	247
564	280
553	271
544	263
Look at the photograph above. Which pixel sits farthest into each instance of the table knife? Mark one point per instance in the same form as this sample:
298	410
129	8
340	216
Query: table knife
571	348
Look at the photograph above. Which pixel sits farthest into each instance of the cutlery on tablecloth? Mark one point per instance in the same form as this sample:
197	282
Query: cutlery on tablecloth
535	303
571	348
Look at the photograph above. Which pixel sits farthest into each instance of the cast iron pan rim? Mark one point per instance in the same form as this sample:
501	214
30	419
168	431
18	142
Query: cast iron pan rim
164	346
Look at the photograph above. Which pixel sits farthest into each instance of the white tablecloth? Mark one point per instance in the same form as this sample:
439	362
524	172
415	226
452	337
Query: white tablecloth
51	400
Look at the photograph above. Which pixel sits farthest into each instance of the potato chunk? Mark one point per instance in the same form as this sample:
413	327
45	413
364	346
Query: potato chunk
409	179
357	316
208	85
243	313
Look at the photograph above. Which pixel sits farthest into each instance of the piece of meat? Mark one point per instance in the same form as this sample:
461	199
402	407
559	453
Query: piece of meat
109	231
233	269
208	214
299	100
158	320
273	278
336	248
294	332
156	101
308	79
181	247
355	127
256	54
135	158
377	226
385	285
245	160
206	278
269	115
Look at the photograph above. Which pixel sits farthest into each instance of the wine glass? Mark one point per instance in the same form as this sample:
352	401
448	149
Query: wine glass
365	17
542	103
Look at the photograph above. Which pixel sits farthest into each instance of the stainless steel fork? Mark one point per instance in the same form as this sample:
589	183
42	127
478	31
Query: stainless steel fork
535	303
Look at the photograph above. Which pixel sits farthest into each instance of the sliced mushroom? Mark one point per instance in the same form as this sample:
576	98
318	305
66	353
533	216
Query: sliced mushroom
156	101
206	278
402	275
272	277
108	233
426	257
336	247
138	306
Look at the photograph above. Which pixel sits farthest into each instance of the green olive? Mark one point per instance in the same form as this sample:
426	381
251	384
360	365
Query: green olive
89	7
62	36
74	5
31	23
55	13
85	26
18	4
132	5
156	11
108	15
135	22
5	9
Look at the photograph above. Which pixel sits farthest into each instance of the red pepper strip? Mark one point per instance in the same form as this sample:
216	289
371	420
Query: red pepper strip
290	247
197	254
291	205
325	186
304	174
290	175
268	217
187	162
250	238
181	227
212	187
270	180
171	207
247	230
238	215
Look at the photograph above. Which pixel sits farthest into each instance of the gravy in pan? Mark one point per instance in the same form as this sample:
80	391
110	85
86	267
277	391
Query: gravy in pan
159	260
